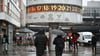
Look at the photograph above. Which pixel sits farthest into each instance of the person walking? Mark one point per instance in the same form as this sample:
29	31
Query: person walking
5	43
40	43
74	40
59	45
94	42
69	37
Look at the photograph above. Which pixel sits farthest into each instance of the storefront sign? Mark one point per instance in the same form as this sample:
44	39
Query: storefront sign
53	7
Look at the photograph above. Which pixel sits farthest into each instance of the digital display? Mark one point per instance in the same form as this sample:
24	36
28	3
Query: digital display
53	7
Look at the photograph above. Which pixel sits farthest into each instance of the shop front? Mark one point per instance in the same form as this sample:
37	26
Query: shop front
3	29
8	29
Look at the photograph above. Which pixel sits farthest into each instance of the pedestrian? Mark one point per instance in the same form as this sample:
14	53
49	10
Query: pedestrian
75	36
94	42
70	43
40	43
69	37
20	40
59	45
5	43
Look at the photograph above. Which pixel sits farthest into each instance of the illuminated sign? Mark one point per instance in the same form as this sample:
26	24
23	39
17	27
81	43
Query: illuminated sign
53	7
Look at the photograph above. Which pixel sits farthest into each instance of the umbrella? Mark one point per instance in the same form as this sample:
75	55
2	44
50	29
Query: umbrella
57	32
69	34
25	30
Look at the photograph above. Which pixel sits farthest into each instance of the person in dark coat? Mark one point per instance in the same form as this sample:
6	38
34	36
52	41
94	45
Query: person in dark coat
5	43
59	42
94	42
5	39
40	43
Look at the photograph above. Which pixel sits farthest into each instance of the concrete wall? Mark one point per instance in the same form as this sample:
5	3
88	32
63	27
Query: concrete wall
34	2
11	12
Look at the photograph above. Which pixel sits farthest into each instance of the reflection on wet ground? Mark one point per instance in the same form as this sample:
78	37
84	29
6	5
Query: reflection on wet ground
30	51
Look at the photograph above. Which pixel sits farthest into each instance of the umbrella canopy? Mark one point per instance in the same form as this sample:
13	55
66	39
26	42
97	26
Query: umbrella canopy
25	30
69	34
57	32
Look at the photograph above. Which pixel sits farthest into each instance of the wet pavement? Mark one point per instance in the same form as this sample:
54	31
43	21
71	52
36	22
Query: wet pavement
15	50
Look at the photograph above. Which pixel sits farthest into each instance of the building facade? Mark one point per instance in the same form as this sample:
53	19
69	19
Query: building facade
91	12
91	17
53	13
45	11
22	7
9	17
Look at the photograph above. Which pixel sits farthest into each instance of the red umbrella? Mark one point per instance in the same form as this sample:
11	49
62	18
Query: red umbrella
69	34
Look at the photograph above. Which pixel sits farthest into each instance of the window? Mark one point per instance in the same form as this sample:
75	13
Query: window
87	36
14	1
8	4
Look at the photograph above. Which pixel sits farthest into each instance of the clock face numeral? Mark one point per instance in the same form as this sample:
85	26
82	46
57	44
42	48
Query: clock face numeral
53	7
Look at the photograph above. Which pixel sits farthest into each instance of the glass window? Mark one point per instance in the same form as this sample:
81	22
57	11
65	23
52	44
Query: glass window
87	37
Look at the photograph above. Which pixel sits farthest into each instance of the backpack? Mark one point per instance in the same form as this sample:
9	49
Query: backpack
3	40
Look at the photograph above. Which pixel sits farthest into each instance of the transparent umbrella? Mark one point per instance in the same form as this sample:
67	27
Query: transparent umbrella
25	30
57	32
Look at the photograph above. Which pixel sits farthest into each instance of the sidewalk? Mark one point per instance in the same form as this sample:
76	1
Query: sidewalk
30	51
15	50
